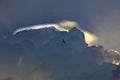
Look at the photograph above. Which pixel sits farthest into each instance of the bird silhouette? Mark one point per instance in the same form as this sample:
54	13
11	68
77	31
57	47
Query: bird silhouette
63	41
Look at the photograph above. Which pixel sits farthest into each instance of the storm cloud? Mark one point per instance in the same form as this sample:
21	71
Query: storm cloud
28	56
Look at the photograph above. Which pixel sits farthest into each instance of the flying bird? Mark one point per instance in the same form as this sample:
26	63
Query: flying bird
63	41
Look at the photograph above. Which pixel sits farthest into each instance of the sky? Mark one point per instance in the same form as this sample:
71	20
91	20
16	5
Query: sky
36	48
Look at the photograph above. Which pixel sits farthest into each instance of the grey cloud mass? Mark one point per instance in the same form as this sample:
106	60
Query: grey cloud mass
22	59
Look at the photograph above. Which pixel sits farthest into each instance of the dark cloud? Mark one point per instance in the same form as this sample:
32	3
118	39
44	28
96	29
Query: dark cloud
22	58
116	73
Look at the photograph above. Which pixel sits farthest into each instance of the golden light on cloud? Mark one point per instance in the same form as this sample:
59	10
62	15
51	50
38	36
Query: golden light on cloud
112	56
89	37
62	26
68	24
